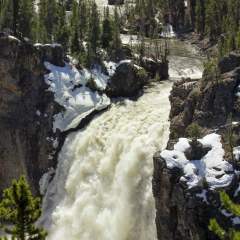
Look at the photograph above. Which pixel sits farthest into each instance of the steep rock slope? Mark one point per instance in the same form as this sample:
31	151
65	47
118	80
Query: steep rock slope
26	111
182	212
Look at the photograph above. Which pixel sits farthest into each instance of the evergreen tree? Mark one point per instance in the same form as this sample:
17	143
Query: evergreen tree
6	16
47	20
116	43
230	207
83	19
229	137
41	27
22	210
94	28
62	32
107	32
25	21
15	16
199	10
195	132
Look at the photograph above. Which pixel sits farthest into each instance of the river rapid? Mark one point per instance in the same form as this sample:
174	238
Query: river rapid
102	188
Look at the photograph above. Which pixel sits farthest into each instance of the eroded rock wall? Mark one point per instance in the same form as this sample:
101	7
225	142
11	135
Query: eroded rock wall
26	111
181	214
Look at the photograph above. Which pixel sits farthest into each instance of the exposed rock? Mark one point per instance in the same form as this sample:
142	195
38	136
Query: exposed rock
181	215
208	103
26	112
126	82
229	62
196	152
153	67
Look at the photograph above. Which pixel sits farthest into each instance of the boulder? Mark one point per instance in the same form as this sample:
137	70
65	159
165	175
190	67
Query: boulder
126	81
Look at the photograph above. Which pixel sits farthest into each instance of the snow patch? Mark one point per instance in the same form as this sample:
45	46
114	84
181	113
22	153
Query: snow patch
12	37
236	220
237	190
38	112
70	91
224	212
203	195
111	66
210	168
236	152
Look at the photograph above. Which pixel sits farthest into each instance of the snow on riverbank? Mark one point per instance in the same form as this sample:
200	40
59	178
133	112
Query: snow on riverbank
70	91
210	168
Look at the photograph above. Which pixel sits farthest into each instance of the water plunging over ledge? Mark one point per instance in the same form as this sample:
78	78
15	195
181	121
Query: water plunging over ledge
102	188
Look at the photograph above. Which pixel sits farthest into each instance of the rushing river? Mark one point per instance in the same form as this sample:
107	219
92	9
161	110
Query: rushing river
102	188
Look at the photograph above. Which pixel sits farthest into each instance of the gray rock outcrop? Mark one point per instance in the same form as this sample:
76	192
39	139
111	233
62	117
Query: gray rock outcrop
181	214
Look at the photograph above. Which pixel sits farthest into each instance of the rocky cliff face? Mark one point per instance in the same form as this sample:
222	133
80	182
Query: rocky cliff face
26	111
209	102
181	213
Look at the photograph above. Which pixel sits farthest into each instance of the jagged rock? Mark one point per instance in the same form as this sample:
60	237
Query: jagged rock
53	55
181	215
153	67
126	81
229	62
26	111
208	103
196	152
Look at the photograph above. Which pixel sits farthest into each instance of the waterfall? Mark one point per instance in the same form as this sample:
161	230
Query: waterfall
102	188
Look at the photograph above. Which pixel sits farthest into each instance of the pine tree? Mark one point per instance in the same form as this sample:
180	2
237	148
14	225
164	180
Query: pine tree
83	19
195	132
6	17
229	137
15	16
107	32
19	207
116	43
199	16
25	21
230	207
47	20
94	28
62	32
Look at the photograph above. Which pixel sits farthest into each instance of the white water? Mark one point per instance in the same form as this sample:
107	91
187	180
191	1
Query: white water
102	189
108	168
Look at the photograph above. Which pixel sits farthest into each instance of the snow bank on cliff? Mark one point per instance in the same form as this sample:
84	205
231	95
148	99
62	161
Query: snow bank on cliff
211	168
70	91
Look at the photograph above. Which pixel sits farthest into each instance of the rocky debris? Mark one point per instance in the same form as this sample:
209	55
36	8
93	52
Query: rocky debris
184	213
26	112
